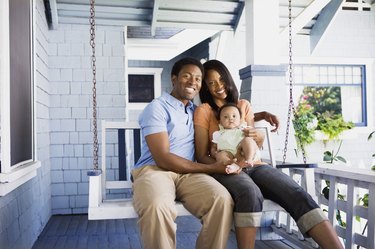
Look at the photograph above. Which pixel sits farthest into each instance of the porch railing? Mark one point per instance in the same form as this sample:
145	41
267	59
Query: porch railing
349	199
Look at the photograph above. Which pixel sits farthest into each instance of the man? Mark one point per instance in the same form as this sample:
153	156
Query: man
167	171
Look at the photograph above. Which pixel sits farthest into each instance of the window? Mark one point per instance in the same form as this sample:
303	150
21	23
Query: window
143	85
356	5
340	89
18	163
141	88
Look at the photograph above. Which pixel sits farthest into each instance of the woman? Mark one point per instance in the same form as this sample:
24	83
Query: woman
252	184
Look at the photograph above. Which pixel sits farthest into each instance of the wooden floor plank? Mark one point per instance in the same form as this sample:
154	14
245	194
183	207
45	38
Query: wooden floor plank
60	243
44	242
101	227
135	241
92	241
63	226
131	226
119	241
82	224
279	245
103	242
111	229
53	225
92	226
120	226
73	226
82	242
76	232
71	242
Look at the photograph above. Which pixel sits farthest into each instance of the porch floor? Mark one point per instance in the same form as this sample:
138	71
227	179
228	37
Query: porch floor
76	231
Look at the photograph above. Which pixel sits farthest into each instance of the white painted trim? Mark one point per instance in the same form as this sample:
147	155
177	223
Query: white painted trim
12	176
147	71
166	49
20	175
4	85
54	16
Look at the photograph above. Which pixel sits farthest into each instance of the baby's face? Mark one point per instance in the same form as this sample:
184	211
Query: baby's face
230	117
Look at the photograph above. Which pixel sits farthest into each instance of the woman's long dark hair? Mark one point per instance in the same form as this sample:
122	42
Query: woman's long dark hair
230	86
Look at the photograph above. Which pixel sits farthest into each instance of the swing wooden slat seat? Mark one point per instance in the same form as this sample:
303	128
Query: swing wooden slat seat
101	207
128	144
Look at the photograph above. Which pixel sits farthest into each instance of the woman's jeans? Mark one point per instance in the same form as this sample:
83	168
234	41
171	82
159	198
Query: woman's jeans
253	184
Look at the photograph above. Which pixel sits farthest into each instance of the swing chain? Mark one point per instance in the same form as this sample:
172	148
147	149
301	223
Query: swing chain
93	66
291	108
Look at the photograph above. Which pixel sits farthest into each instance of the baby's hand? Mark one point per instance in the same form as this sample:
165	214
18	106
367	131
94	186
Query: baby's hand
246	127
232	168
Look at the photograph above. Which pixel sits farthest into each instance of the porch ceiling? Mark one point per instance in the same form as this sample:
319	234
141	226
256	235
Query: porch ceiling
160	21
150	18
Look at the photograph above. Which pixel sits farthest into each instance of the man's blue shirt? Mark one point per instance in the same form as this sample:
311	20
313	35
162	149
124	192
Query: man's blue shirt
167	114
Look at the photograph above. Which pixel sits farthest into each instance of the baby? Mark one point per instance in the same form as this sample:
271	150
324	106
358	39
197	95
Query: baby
229	142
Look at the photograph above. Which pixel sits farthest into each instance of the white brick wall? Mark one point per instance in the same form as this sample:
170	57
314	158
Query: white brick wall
25	211
71	106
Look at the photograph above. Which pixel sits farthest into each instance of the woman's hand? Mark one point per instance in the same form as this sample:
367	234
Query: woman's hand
273	120
269	117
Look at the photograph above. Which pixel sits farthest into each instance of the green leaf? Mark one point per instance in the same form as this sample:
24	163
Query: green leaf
325	192
357	218
370	136
328	157
327	153
364	199
340	158
340	197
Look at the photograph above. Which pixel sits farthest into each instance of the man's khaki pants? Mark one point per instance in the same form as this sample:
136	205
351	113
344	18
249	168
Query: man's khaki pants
155	192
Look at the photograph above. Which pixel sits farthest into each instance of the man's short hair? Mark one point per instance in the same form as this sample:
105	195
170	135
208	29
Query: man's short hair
186	61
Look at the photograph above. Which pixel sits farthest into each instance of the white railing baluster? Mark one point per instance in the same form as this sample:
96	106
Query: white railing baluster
371	218
350	202
332	203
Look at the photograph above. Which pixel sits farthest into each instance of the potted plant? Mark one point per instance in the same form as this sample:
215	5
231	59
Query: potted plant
319	109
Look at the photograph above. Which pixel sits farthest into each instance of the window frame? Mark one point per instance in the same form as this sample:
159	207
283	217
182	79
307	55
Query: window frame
362	85
156	72
368	65
12	176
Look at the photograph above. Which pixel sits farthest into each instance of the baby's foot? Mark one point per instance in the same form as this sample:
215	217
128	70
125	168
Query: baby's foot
233	168
249	163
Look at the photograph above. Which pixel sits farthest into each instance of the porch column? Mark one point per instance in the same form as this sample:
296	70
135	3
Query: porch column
263	80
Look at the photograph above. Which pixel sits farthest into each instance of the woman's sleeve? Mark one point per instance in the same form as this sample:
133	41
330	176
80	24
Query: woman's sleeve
201	117
248	112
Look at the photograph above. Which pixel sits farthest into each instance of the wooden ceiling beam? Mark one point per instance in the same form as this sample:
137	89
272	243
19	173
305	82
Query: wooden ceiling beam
303	18
154	18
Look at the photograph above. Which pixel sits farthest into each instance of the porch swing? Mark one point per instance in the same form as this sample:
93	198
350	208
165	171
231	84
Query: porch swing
129	144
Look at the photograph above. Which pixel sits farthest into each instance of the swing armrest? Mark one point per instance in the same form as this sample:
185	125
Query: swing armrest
267	146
